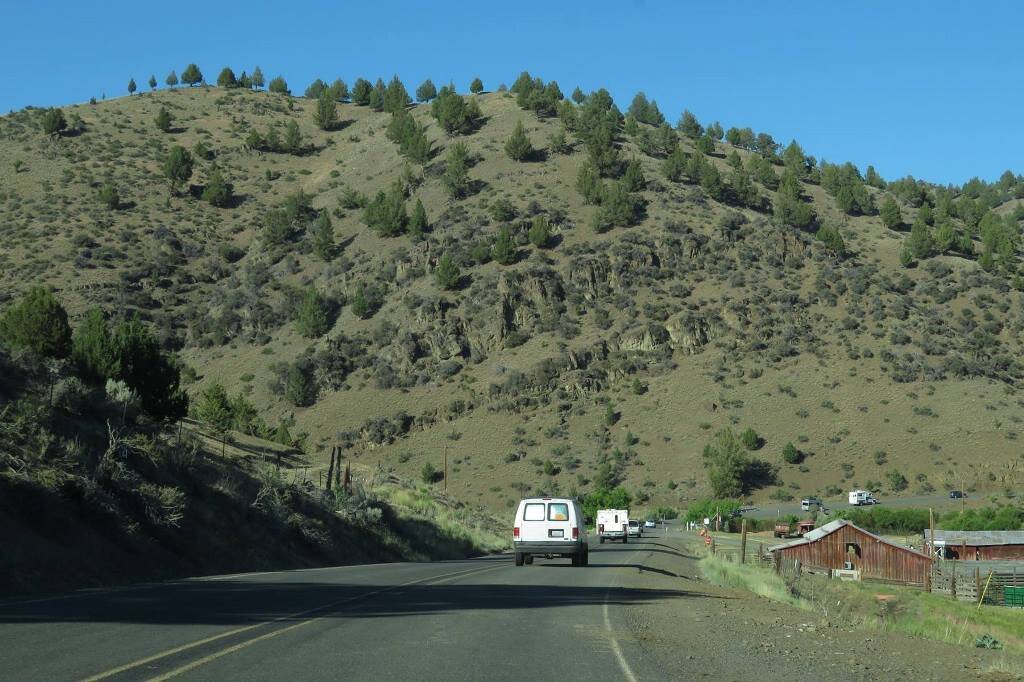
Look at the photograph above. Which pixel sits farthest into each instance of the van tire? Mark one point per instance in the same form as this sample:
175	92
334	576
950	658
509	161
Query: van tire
529	560
585	558
602	539
519	558
577	560
625	538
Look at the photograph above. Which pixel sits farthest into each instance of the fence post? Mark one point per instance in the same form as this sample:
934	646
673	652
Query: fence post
977	582
796	568
778	563
952	582
743	541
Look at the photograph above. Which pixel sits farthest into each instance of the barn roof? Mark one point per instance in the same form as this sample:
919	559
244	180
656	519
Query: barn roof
977	537
832	527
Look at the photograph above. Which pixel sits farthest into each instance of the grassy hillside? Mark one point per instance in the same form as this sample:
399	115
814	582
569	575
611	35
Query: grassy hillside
701	315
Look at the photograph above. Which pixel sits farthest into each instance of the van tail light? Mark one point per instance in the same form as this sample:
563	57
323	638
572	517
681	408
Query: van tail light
515	532
600	528
575	533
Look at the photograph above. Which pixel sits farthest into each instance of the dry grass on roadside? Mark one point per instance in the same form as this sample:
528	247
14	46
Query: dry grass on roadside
911	612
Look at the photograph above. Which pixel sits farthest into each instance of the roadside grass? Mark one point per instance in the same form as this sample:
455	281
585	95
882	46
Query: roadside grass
451	519
908	611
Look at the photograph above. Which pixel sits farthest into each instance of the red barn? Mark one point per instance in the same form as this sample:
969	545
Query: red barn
973	545
840	545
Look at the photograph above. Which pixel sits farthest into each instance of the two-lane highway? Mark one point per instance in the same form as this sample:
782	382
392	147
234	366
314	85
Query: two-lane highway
446	620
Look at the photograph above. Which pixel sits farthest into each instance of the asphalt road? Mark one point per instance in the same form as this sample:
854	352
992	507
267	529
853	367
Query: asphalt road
456	620
940	502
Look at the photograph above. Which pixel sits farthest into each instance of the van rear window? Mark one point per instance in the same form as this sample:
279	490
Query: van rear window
558	511
533	512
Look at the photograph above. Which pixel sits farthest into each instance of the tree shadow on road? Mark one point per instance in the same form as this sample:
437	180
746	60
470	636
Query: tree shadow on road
243	602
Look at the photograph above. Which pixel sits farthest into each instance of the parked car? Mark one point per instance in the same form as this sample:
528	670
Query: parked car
549	527
861	497
650	523
635	529
612	524
810	504
957	494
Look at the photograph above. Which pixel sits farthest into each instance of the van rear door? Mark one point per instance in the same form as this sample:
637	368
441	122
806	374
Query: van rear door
534	528
559	522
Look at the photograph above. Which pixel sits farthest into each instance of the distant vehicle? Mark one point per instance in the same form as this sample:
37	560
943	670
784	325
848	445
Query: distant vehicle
810	504
649	523
550	527
861	497
785	530
635	529
612	524
957	494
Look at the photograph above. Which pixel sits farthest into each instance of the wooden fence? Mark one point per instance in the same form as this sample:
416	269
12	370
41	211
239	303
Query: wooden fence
969	580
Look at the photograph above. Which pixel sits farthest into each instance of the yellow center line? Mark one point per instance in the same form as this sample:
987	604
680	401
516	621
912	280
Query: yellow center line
199	662
185	647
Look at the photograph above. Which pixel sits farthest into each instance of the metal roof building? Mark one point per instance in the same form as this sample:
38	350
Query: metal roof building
968	545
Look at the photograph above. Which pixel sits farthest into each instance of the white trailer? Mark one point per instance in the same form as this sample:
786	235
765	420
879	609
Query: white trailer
612	524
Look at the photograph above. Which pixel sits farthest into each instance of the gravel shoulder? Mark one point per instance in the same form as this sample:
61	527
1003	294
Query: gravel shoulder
731	634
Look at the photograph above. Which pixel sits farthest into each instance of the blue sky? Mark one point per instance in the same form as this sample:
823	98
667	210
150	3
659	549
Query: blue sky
927	88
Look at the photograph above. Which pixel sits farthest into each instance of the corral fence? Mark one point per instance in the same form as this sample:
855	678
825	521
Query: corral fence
979	580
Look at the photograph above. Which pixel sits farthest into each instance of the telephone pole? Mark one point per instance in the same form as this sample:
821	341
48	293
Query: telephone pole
446	468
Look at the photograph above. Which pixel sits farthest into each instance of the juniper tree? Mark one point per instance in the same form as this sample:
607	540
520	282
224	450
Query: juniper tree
675	165
705	144
131	86
832	238
360	305
447	273
292	138
540	232
315	89
326	112
279	85
163	120
361	91
214	410
477	86
312	317
418	220
386	214
450	111
152	82
339	90
191	75
377	95
244	81
323	236
518	146
37	322
689	126
177	167
395	96
226	78
426	91
578	96
633	179
456	174
171	80
217	191
54	122
92	346
257	78
504	250
588	182
890	213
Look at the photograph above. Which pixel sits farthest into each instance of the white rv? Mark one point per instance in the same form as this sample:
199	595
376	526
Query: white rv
859	497
612	524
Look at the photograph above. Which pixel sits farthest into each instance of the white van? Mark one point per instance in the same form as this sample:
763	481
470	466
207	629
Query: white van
810	504
551	527
612	524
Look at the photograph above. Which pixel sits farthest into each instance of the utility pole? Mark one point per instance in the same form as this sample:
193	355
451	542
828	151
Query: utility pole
446	468
963	497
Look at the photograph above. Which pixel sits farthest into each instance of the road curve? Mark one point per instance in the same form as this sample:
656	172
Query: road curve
454	620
